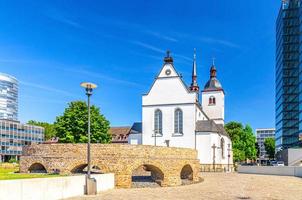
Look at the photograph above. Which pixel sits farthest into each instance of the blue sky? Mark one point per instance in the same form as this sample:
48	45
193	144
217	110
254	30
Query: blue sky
52	46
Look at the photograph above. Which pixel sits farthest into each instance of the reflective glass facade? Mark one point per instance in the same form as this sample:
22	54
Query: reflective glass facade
8	97
288	75
14	135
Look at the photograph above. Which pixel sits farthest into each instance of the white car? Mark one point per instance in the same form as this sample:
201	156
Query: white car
277	163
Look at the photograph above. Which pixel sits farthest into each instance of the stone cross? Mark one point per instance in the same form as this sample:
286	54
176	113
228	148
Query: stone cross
214	149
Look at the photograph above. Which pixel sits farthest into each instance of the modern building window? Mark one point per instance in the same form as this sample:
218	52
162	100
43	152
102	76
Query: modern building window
178	121
288	79
222	147
212	100
158	122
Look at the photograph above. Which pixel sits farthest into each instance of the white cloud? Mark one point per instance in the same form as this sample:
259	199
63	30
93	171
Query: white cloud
46	88
219	41
104	77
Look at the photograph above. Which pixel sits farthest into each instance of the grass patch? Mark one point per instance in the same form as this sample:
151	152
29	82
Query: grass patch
10	172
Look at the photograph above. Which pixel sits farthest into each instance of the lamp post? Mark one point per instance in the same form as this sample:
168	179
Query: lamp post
88	88
214	156
229	155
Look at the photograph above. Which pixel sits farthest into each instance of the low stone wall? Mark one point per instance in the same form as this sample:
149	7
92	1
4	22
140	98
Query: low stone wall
270	170
165	163
51	188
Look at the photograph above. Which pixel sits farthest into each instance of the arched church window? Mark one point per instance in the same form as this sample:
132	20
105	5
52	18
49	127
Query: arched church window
158	122
222	147
178	121
212	100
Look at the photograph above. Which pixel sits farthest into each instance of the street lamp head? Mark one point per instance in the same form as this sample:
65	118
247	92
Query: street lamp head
88	86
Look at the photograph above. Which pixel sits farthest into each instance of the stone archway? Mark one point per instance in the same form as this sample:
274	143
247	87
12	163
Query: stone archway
37	168
82	169
164	164
78	169
147	175
186	173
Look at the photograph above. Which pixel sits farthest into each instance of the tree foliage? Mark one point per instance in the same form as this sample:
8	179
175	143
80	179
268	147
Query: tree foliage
258	149
269	144
72	126
49	130
243	141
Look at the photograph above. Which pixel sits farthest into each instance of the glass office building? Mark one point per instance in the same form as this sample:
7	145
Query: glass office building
262	134
14	135
288	75
8	97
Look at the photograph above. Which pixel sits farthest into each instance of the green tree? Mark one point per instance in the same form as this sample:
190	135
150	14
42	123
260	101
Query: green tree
72	126
258	149
269	144
243	141
49	130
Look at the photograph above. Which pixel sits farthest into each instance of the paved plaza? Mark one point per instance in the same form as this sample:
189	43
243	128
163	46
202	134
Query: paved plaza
217	186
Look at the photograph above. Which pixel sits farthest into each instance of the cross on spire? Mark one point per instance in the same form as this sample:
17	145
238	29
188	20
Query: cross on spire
213	61
168	53
168	58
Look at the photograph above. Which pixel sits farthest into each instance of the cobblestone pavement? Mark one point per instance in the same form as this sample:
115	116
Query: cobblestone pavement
220	186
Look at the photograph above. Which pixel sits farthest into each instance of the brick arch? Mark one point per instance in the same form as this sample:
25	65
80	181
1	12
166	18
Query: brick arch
37	168
157	173
78	167
187	172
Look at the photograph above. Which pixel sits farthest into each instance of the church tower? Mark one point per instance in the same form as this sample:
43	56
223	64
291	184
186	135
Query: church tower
213	98
194	86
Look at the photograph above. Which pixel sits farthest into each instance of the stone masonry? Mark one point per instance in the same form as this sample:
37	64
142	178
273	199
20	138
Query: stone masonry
167	165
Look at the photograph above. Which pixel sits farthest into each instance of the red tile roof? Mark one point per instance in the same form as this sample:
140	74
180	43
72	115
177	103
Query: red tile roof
120	134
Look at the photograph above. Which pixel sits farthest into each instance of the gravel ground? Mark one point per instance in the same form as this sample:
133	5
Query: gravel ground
220	186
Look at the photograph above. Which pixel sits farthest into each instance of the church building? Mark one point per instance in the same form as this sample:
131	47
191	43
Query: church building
177	115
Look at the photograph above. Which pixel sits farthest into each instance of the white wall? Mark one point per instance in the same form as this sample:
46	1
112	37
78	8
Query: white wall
135	138
51	188
294	157
186	140
168	91
204	143
214	111
270	170
203	146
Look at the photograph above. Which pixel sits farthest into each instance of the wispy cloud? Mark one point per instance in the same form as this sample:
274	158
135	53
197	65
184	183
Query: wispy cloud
183	57
219	41
46	88
158	50
148	46
104	77
31	99
59	16
160	36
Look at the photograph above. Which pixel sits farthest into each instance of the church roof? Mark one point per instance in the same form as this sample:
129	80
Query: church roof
168	60
213	84
210	126
120	134
136	128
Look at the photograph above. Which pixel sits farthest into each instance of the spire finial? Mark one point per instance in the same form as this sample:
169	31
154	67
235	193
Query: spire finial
194	85
194	54
168	53
168	58
213	69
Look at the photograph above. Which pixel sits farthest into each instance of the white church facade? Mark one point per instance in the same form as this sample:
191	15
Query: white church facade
174	115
